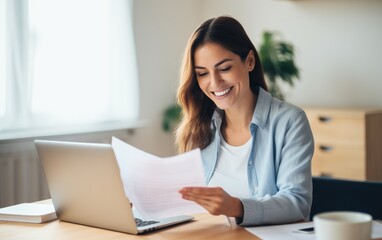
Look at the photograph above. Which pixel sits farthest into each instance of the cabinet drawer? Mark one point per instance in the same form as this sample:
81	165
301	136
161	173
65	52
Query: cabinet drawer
337	128
339	162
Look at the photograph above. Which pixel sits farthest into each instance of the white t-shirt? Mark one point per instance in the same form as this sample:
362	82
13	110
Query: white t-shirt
231	171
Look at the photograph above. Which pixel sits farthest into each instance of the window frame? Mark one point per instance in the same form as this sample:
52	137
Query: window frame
17	104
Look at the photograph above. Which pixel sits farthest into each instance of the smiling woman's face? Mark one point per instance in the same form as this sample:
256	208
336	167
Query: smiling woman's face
223	76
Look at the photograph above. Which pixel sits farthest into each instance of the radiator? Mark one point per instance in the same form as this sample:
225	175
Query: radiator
21	176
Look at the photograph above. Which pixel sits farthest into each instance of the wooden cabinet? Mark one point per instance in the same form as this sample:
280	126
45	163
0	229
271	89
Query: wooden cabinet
348	143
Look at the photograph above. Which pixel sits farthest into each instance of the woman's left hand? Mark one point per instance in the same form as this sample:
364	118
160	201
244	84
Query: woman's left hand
215	200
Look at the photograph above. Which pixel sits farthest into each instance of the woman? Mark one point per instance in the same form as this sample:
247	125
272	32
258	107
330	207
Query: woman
256	149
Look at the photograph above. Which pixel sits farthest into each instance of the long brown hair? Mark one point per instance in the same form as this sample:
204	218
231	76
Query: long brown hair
197	109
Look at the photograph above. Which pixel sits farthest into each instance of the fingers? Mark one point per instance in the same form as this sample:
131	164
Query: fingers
206	191
211	204
214	199
202	198
197	194
203	194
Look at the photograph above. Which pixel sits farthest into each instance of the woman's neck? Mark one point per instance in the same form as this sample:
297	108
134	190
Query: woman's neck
235	128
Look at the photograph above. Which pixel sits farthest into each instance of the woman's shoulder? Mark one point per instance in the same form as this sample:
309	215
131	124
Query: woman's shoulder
270	110
285	113
277	106
283	107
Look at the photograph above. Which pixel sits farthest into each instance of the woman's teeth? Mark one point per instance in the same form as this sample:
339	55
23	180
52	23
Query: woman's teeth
221	93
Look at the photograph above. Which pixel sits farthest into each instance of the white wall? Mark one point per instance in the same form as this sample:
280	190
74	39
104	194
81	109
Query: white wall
161	31
337	45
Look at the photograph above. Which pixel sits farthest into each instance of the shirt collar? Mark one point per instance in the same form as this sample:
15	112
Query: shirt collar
262	109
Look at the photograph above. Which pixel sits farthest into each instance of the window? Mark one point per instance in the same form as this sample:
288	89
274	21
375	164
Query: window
69	63
2	59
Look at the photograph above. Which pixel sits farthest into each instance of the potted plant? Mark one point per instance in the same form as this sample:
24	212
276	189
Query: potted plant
171	117
277	58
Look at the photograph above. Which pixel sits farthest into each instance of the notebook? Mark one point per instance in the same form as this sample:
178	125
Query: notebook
86	188
28	212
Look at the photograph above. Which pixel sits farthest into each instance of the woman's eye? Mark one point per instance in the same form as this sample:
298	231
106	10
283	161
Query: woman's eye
201	74
225	69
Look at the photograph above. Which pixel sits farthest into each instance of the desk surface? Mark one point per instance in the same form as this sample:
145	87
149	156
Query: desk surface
204	226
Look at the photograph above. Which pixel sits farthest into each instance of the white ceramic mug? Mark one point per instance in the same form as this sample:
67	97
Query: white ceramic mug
342	226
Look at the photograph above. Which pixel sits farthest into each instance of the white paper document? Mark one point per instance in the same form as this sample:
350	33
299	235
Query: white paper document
288	231
285	231
152	183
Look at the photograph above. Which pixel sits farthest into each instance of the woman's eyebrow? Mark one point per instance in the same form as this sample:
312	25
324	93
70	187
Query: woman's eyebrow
217	64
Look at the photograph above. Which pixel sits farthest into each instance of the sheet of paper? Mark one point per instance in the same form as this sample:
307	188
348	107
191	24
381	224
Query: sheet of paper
284	231
376	230
152	183
287	231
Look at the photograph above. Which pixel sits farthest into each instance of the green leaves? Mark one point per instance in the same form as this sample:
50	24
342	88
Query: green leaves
171	116
277	57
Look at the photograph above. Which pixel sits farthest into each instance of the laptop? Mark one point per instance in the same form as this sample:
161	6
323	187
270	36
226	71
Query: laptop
86	188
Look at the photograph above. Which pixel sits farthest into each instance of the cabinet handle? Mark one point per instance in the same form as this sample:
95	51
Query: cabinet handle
325	148
327	175
324	119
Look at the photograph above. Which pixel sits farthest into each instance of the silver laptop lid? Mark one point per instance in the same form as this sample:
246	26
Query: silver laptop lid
85	185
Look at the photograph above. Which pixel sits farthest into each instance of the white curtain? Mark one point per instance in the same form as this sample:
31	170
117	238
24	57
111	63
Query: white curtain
69	63
2	58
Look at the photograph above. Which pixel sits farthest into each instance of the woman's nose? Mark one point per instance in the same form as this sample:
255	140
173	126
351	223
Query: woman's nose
215	80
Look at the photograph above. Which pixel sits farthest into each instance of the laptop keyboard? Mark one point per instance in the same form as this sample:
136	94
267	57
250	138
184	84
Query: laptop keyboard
141	223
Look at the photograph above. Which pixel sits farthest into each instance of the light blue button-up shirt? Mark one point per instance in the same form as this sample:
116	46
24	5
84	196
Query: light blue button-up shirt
279	166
